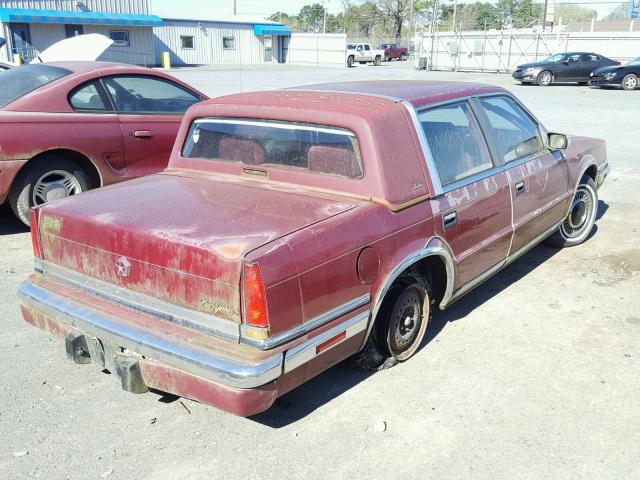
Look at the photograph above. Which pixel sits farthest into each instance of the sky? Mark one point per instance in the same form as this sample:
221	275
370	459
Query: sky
209	9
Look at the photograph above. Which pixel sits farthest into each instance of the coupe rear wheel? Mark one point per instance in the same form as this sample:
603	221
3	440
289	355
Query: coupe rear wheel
545	78
579	222
49	178
630	82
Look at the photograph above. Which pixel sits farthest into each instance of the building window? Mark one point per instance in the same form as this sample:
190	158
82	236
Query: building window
229	43
120	38
71	31
186	42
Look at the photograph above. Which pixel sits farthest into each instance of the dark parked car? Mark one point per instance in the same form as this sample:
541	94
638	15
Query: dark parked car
626	76
562	67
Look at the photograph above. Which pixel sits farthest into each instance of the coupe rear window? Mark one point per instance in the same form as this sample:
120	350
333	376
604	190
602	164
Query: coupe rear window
17	82
311	148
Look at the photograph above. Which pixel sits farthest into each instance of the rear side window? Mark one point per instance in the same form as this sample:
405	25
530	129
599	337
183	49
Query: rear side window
455	141
87	98
311	148
516	135
142	94
17	82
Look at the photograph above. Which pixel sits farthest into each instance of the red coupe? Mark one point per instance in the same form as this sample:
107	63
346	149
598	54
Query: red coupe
72	126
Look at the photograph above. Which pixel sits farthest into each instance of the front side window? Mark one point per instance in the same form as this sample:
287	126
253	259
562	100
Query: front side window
555	58
186	42
591	57
142	94
87	98
229	43
516	135
302	147
456	142
120	38
17	82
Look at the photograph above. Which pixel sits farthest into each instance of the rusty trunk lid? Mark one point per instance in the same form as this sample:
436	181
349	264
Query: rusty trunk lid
176	238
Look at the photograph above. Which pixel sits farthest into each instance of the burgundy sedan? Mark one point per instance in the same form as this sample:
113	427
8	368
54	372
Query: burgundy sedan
298	228
72	126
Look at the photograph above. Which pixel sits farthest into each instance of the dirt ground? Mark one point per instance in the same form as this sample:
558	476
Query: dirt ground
535	374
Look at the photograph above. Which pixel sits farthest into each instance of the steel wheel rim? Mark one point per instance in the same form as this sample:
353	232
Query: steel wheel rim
406	325
55	185
582	210
545	78
630	82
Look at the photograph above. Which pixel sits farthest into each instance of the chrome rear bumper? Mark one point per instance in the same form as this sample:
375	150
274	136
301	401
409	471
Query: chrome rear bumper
154	343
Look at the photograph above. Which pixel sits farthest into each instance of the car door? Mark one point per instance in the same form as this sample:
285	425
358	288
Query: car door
538	177
588	63
473	214
150	111
568	70
97	124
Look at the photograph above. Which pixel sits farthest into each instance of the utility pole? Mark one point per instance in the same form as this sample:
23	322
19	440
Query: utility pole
324	17
455	13
544	15
410	26
234	8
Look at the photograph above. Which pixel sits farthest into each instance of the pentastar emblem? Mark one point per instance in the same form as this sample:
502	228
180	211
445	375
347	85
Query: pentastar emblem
123	267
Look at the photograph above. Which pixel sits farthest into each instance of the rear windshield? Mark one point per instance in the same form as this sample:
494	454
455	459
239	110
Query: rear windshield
19	81
311	148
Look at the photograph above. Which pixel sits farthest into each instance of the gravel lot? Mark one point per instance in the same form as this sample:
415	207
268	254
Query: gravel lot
535	374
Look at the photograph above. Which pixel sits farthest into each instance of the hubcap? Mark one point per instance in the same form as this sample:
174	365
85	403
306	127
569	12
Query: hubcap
578	218
631	82
546	78
55	185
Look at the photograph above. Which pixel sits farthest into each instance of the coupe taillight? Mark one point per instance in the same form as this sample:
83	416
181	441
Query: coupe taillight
34	217
255	302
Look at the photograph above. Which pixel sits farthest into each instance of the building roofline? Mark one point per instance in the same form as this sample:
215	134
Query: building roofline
223	20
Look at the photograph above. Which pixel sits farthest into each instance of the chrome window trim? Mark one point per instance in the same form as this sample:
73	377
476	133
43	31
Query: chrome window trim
306	351
306	327
158	346
274	124
185	317
426	150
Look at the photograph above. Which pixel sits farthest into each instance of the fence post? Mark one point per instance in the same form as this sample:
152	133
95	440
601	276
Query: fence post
509	53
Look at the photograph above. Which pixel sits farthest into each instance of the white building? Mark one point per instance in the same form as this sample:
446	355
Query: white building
234	40
30	26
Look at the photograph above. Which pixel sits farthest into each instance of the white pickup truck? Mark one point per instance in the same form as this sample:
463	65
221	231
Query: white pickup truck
363	53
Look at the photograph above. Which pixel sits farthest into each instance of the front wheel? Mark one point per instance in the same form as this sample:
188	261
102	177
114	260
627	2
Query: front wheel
350	61
579	222
47	179
544	78
630	82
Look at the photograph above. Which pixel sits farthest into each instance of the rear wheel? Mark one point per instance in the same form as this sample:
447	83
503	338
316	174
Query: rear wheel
377	61
47	179
630	82
400	326
544	78
579	222
403	57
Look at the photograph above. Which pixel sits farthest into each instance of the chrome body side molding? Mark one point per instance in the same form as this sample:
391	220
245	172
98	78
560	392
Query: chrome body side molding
308	326
307	351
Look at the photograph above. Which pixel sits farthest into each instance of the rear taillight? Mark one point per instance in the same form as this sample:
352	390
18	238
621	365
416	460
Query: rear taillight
34	217
256	317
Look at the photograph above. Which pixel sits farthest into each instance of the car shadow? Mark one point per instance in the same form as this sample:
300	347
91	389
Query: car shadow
9	223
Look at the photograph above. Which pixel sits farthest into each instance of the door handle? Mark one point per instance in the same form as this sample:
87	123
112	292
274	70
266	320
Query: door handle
450	220
519	187
140	134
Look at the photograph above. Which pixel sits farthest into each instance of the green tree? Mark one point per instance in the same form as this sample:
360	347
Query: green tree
570	12
519	13
311	18
621	12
